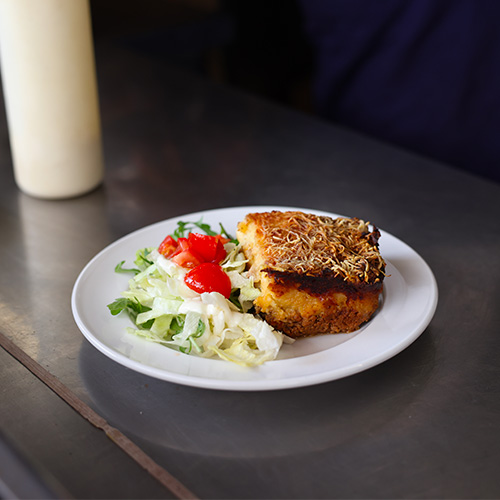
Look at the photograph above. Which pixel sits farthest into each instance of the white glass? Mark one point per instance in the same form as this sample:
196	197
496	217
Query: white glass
49	83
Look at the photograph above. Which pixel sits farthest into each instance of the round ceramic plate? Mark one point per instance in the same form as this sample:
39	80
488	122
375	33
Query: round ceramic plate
408	305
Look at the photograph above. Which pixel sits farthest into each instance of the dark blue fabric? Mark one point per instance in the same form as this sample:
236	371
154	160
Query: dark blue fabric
422	74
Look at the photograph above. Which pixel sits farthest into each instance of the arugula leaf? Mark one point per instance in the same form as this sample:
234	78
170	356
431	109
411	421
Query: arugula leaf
186	227
120	269
118	306
181	230
132	308
199	332
204	227
141	261
177	324
141	258
227	235
235	298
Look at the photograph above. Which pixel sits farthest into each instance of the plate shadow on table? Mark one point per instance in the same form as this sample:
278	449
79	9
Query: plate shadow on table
246	425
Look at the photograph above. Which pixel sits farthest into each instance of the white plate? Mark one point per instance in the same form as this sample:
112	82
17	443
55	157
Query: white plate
409	301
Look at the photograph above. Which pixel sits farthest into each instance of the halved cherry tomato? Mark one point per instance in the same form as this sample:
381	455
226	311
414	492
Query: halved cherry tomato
183	243
208	277
222	239
210	248
168	246
194	250
187	258
220	253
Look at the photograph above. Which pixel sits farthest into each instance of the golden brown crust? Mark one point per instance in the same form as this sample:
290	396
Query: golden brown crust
316	274
333	313
315	245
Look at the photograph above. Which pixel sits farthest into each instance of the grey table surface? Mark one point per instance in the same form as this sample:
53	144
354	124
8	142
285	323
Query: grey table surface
423	424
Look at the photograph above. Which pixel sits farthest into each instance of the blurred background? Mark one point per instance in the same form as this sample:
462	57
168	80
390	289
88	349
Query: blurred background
258	46
419	74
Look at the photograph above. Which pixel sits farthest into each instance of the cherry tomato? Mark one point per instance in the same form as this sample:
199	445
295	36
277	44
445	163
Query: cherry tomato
208	277
210	248
183	243
187	258
168	246
222	239
220	253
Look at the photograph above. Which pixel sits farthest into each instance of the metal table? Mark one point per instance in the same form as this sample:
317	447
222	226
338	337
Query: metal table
425	423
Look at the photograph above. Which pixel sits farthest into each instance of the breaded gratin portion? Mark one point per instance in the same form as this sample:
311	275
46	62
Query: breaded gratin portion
316	274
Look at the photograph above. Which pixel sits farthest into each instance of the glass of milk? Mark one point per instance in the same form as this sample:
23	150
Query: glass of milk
49	83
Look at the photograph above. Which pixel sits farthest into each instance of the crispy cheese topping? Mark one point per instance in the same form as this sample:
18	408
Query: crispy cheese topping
316	245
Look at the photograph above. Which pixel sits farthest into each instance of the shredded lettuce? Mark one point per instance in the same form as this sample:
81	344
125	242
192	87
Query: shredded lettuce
164	310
